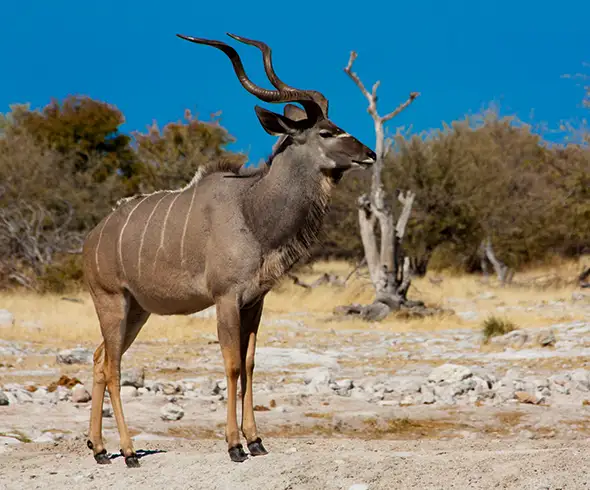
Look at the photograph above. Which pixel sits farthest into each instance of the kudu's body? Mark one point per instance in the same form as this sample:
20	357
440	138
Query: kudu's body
224	239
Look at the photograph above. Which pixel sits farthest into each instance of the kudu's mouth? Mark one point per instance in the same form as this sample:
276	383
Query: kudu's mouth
366	163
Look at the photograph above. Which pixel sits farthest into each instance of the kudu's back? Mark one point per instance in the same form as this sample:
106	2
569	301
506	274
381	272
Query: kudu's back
174	251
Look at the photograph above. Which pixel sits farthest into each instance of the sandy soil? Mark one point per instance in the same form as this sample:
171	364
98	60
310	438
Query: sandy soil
310	464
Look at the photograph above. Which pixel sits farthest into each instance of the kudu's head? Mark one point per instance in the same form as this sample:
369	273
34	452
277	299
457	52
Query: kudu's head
331	150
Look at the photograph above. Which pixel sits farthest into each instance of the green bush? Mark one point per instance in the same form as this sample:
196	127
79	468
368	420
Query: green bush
494	327
62	276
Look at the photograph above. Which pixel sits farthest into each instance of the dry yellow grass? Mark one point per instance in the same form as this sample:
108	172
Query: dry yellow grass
50	320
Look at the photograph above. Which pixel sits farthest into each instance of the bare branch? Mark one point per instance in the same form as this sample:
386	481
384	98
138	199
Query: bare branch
355	77
401	107
372	97
407	201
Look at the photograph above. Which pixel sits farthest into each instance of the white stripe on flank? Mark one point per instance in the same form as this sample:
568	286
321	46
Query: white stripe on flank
186	226
161	247
98	243
143	235
121	235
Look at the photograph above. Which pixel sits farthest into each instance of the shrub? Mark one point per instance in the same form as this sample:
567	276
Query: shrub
494	327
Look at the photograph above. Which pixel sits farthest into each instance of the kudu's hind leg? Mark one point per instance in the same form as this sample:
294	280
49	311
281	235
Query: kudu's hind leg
228	331
95	442
250	320
121	319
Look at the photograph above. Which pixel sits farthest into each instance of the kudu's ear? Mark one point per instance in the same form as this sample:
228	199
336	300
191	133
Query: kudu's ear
274	123
295	113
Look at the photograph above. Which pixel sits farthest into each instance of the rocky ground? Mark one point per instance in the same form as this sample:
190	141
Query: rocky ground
337	407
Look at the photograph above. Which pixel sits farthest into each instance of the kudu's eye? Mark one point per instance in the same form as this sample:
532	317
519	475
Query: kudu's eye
324	133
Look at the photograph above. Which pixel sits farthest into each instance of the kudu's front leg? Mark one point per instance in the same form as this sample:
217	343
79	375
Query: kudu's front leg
250	320
228	331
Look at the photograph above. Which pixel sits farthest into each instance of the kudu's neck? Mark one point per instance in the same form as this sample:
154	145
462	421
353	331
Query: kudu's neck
285	208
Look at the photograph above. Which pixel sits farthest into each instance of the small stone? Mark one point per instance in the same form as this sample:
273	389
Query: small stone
78	355
291	450
8	441
546	338
23	396
487	295
107	412
516	339
580	377
46	437
6	318
318	380
359	486
171	411
427	394
133	377
524	397
142	391
128	391
4	399
40	395
449	373
80	394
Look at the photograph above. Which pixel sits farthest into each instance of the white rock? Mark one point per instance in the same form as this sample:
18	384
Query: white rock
133	377
78	355
427	394
23	396
346	384
487	295
546	338
171	411
8	441
42	396
318	380
4	399
6	318
80	394
359	486
580	378
516	339
449	373
128	391
46	437
444	394
63	393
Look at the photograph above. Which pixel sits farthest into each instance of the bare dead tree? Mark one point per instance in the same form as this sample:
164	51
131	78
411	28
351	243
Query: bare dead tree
32	235
389	268
487	254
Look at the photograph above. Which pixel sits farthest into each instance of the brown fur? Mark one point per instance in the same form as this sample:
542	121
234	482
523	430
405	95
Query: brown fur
224	239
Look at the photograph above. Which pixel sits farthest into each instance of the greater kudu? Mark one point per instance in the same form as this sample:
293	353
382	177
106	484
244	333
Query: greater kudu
223	240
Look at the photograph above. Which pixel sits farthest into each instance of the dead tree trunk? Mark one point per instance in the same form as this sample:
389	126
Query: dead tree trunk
388	266
503	272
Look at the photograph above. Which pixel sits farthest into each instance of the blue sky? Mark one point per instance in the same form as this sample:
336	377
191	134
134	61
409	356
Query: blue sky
460	55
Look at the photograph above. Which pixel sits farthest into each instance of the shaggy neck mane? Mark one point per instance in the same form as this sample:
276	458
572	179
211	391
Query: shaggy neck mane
285	211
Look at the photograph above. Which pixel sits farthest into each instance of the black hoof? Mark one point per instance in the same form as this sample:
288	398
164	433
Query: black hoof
102	457
131	461
237	454
256	448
